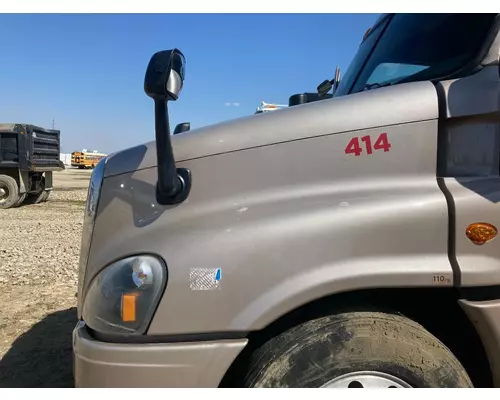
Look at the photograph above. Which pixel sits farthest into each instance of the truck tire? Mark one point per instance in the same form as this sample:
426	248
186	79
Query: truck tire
21	199
356	350
9	192
36	198
45	197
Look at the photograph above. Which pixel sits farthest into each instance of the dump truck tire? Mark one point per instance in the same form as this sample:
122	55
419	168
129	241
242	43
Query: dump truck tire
35	198
9	192
21	199
38	197
356	350
45	197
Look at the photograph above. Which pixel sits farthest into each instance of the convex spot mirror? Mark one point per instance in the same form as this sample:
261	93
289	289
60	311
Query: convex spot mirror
182	127
165	75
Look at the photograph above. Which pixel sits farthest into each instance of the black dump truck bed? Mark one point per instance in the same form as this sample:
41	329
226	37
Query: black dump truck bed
29	147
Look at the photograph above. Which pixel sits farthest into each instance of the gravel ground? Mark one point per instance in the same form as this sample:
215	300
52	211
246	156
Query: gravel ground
39	250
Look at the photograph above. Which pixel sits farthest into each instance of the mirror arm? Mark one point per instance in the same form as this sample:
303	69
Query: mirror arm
174	184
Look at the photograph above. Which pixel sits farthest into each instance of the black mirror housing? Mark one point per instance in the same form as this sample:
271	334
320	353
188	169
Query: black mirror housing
182	127
165	75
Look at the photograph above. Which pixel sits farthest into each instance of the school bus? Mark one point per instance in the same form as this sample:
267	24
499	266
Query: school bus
84	159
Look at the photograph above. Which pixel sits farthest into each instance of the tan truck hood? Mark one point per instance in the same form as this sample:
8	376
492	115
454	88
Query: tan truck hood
381	107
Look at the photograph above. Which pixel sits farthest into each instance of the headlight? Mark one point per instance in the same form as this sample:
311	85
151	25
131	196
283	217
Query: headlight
123	297
88	222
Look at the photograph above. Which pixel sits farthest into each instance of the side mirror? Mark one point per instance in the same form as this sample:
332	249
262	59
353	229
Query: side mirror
182	127
325	86
163	82
165	75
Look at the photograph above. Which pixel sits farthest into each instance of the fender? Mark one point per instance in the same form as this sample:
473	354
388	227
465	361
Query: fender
289	214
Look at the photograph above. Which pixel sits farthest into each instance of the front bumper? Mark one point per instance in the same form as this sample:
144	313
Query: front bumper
168	365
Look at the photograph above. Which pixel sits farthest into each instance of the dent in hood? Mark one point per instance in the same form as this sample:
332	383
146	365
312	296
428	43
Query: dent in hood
380	107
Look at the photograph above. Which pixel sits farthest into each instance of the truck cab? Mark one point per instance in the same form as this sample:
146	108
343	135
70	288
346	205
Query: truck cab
342	243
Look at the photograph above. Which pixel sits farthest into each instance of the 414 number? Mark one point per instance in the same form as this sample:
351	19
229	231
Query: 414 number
354	147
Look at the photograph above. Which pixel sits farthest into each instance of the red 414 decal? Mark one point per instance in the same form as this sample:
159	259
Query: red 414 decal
382	143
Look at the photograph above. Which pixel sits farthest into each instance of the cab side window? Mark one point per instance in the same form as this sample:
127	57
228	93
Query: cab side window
473	150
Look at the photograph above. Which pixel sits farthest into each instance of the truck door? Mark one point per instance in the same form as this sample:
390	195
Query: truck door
469	174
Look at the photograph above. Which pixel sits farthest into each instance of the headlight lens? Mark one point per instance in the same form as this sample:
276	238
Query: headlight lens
88	221
122	298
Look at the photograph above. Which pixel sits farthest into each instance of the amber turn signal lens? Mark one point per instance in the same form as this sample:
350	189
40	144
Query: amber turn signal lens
129	307
481	233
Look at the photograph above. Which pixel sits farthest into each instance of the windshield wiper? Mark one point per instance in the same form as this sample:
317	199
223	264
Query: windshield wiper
376	85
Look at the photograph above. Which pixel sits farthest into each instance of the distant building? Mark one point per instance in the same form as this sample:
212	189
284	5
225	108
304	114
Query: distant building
65	158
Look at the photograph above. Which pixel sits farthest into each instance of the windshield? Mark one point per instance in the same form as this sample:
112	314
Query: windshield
415	47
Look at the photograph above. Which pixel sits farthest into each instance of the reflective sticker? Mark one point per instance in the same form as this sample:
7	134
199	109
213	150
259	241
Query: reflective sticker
441	279
205	278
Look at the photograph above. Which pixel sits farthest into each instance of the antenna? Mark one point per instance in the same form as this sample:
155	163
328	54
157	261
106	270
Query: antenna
53	124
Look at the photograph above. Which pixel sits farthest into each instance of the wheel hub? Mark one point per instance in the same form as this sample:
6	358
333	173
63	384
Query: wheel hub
3	194
366	380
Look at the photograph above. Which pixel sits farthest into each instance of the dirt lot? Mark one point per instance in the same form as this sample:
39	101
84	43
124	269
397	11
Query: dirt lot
39	250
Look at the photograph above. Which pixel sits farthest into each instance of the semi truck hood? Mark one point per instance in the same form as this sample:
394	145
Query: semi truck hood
375	108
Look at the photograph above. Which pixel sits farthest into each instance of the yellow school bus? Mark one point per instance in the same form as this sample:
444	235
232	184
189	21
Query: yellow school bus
84	159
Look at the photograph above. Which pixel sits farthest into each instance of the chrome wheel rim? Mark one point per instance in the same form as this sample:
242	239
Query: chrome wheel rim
4	194
366	380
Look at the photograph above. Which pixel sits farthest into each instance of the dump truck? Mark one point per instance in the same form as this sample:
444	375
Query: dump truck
29	155
344	242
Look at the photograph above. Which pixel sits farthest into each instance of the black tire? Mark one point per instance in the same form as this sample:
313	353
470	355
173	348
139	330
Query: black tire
38	197
21	199
9	193
35	198
45	197
316	352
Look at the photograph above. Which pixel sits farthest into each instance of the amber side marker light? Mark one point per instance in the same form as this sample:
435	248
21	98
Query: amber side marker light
129	307
480	233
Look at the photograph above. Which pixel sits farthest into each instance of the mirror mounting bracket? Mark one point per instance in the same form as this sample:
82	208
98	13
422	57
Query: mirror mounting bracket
184	176
174	184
